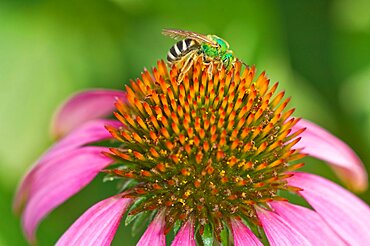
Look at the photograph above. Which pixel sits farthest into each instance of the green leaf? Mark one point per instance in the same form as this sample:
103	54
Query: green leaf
176	226
109	178
225	236
129	217
141	221
127	184
207	236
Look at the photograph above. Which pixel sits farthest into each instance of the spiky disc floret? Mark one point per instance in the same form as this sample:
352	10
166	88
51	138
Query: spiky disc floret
210	149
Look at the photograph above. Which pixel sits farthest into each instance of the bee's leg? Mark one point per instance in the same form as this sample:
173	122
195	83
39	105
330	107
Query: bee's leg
183	70
205	60
209	62
210	70
219	66
187	65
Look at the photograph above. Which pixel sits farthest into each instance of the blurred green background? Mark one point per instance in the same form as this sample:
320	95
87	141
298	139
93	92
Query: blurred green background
318	50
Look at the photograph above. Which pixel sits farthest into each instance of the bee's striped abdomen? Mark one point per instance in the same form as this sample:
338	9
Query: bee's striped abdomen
180	49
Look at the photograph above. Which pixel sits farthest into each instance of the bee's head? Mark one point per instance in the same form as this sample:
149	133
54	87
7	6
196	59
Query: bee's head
227	58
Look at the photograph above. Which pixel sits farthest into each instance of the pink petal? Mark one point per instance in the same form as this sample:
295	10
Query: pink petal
58	179
97	225
154	235
82	107
243	236
89	132
321	144
308	223
278	231
186	235
346	214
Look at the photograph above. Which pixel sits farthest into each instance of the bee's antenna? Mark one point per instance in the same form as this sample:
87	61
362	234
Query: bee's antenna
242	62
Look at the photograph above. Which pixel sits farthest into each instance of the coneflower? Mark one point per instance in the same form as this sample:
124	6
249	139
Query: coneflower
211	158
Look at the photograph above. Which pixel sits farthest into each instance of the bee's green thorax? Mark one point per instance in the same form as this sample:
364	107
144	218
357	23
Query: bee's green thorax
219	51
210	51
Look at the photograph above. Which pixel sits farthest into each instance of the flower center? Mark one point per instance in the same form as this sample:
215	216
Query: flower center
207	148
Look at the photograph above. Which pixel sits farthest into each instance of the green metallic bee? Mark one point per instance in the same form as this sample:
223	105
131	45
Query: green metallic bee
212	49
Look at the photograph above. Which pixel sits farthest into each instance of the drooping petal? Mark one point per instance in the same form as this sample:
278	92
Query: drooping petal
89	132
346	214
321	144
97	225
58	179
154	235
243	236
82	107
278	231
308	223
186	235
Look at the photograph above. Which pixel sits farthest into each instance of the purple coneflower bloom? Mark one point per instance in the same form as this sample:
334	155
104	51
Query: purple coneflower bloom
210	158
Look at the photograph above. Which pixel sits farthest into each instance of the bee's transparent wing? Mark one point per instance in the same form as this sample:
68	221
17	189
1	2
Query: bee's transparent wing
181	34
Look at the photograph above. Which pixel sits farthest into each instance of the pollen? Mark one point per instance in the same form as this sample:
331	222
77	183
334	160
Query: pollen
209	148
